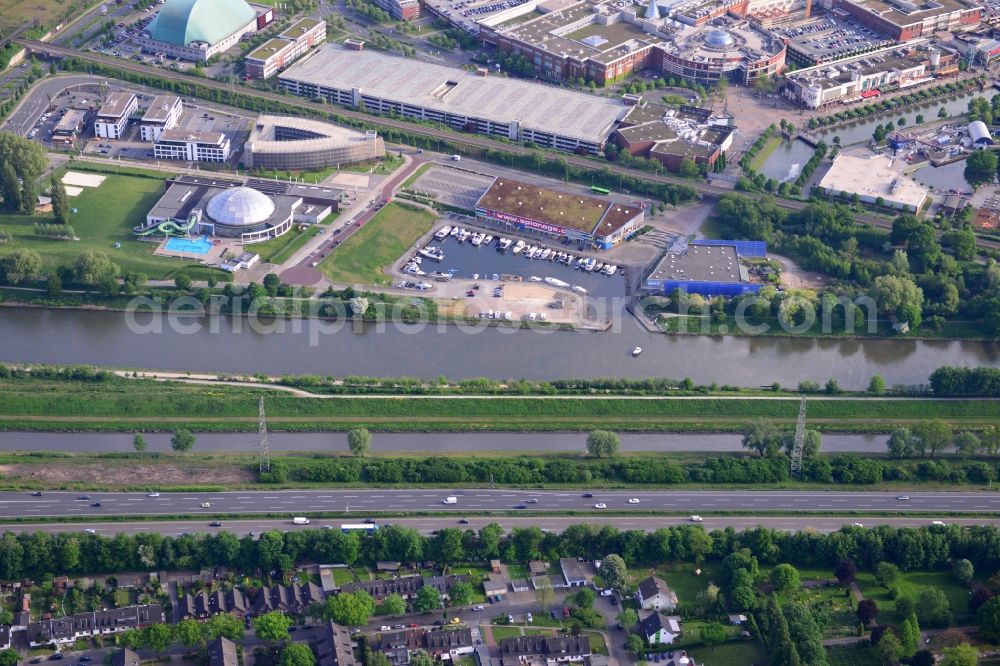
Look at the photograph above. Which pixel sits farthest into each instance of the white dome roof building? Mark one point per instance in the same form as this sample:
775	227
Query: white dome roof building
253	212
240	207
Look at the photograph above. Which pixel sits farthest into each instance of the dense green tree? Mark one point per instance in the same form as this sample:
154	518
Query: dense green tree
602	443
886	573
461	594
614	572
8	658
785	578
933	609
359	441
932	436
26	156
60	201
877	385
10	187
909	635
393	604
182	441
712	634
297	654
762	437
980	167
988	618
959	655
962	570
94	268
427	599
272	627
889	649
21	265
898	296
189	633
627	618
634	643
351	610
967	443
584	598
900	443
139	443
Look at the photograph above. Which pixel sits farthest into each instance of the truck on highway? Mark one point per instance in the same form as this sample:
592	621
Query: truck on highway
300	520
451	499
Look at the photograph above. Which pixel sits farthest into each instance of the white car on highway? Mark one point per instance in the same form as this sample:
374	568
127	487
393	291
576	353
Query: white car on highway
903	498
153	495
633	500
600	505
696	519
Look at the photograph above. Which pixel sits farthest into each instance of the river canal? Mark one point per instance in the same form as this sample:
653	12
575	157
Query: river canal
335	442
337	349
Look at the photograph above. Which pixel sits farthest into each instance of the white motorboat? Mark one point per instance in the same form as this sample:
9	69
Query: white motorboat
610	270
504	244
534	278
463	235
578	289
555	282
487	240
636	351
432	253
442	233
454	231
477	239
546	254
518	246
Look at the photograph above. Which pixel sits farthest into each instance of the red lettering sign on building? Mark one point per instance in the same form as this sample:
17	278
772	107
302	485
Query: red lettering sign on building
528	223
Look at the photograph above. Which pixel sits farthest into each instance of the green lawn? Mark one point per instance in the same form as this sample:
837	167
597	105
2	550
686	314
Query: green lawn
858	656
342	575
105	215
310	177
691	637
123	598
282	248
597	644
911	584
500	633
682	579
361	258
772	145
744	653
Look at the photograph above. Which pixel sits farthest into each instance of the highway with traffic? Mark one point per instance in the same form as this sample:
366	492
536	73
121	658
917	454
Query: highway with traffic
705	188
63	504
429	524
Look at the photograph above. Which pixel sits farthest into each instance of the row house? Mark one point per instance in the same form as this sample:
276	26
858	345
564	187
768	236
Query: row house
398	646
87	625
334	646
294	598
552	650
405	586
203	605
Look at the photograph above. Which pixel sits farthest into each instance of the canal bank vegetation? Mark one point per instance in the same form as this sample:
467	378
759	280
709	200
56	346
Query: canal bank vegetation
85	399
925	285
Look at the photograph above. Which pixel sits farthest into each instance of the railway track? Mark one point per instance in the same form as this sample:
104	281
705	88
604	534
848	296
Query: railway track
473	141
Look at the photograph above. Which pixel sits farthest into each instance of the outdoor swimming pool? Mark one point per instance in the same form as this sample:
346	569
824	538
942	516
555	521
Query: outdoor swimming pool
190	245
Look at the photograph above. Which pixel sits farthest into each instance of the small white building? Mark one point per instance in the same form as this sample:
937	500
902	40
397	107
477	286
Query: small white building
177	144
164	113
660	629
654	594
113	116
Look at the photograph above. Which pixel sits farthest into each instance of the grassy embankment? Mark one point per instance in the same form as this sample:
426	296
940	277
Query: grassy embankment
139	404
381	241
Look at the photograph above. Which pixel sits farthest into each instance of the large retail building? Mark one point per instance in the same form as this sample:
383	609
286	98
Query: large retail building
523	208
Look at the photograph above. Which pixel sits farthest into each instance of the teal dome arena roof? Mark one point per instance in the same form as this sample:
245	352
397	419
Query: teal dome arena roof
185	21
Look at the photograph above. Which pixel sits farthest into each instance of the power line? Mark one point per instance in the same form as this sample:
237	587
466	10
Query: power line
800	436
263	452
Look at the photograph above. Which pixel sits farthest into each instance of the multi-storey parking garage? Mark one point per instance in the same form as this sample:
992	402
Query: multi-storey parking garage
516	110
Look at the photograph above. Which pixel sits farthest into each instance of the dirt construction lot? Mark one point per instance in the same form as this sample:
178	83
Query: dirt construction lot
127	473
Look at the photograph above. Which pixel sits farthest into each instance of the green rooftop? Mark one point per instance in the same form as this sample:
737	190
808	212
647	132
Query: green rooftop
268	49
300	27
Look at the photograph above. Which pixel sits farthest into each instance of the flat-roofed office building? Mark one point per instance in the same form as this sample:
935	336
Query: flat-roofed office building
113	116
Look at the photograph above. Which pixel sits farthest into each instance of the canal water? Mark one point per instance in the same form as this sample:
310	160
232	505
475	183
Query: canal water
943	178
788	154
861	131
389	349
333	442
